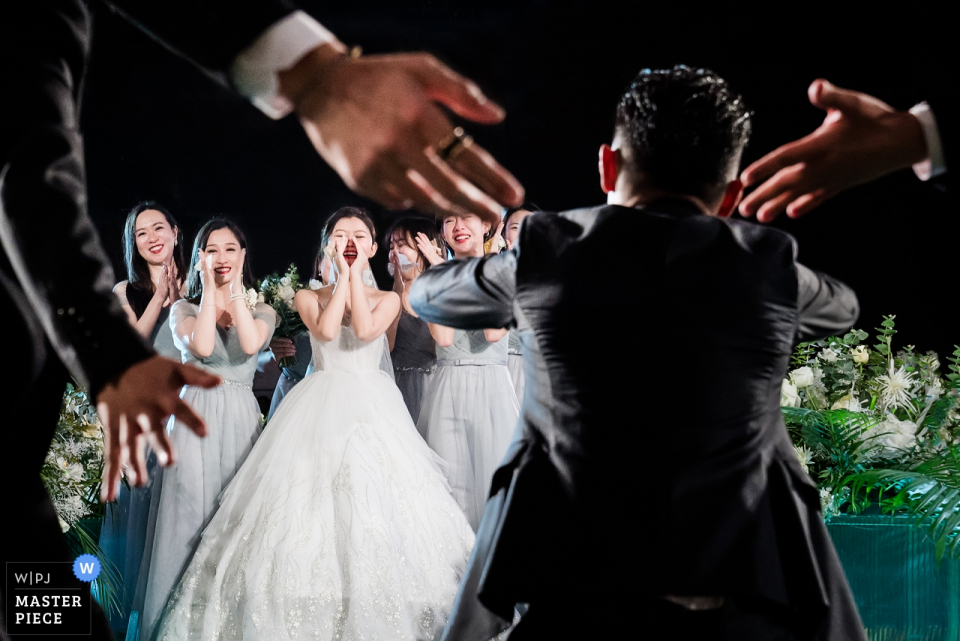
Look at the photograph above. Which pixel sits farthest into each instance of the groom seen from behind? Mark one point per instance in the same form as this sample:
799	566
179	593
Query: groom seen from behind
662	499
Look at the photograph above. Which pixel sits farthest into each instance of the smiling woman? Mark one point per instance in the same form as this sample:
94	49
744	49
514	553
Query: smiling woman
469	406
153	256
218	330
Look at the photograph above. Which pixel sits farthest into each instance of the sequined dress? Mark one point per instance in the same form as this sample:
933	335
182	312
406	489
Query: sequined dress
340	525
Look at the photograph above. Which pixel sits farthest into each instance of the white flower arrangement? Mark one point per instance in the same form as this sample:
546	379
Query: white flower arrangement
871	424
72	468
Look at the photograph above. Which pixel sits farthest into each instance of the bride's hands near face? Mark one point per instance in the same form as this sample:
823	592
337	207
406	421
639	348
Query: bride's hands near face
361	262
428	249
342	266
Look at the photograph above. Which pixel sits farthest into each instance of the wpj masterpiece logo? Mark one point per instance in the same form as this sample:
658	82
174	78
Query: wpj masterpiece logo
50	597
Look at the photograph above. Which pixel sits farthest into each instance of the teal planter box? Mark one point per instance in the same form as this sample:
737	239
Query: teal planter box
902	594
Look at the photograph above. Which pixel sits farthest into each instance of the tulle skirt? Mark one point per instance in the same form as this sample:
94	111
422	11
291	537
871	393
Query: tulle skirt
185	495
340	525
515	365
468	417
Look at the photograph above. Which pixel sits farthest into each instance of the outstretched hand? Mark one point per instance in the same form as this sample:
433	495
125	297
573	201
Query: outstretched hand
861	139
135	407
373	119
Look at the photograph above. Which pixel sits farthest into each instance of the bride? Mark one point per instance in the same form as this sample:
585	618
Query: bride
340	524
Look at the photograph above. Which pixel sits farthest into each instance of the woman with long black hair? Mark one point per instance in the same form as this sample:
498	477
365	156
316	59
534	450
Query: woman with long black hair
220	329
153	257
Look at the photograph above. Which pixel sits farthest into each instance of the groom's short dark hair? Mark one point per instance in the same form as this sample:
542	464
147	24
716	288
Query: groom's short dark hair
684	129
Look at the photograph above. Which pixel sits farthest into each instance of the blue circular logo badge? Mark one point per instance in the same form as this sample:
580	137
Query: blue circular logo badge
86	567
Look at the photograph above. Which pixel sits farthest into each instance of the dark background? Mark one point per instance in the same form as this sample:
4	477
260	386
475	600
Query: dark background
157	128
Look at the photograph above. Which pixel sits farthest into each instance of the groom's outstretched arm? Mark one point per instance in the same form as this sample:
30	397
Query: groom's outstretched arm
468	294
827	306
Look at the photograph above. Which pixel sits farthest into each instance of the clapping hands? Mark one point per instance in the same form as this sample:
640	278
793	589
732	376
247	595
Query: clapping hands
429	249
167	287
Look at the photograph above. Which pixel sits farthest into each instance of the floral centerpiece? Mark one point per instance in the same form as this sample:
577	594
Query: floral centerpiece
874	425
278	291
72	474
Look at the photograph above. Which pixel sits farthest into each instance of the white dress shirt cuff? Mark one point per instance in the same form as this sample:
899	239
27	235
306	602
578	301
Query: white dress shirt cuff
255	70
935	164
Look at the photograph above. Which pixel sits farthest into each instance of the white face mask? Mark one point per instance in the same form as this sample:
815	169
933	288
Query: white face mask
405	264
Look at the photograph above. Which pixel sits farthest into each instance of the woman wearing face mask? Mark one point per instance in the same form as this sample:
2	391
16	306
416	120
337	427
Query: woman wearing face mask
414	244
340	525
511	225
217	329
153	256
469	409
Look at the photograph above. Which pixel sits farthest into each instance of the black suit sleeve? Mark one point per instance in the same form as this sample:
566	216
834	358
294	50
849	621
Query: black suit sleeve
468	294
52	264
827	307
209	32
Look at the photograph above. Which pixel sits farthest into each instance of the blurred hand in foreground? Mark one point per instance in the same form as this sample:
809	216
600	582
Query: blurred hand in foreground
861	139
375	120
134	409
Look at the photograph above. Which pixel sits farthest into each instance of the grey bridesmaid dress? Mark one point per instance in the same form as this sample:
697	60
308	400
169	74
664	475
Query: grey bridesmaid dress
124	530
185	496
469	414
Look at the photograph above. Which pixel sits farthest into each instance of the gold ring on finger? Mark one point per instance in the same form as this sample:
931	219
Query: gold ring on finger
454	144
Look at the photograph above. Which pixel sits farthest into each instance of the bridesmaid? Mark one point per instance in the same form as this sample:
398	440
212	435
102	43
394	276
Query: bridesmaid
469	409
216	329
415	245
511	226
153	255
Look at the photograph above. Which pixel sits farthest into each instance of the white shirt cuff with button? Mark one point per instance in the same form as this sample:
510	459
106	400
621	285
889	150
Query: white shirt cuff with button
255	70
935	164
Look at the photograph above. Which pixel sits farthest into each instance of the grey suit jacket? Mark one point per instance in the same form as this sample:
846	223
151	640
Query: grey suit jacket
650	452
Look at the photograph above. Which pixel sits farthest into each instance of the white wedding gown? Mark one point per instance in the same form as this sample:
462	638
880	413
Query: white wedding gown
340	524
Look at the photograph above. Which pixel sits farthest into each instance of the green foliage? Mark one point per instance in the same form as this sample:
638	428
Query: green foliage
929	490
879	426
108	586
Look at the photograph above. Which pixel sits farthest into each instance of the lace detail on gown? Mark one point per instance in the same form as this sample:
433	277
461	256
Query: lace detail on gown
339	526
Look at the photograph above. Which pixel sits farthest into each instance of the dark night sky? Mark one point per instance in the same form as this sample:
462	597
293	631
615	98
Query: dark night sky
157	128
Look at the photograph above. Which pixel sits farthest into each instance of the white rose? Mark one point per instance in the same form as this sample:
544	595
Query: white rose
860	354
285	281
789	397
286	293
74	472
261	298
895	436
828	355
314	284
802	377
